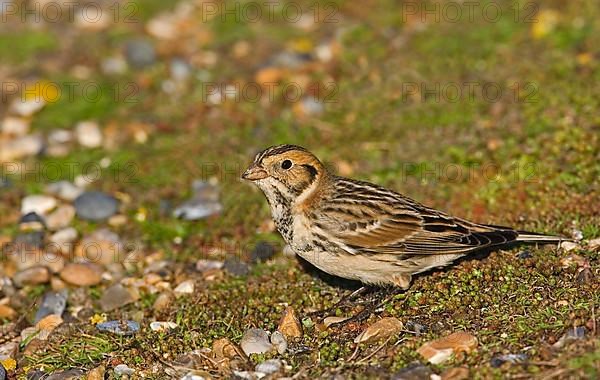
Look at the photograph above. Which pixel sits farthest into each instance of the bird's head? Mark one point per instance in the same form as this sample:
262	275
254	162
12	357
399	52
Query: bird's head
287	171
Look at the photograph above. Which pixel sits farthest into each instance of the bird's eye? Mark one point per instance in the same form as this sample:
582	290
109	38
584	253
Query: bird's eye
286	164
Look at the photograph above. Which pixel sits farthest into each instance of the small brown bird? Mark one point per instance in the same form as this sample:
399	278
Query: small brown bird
361	231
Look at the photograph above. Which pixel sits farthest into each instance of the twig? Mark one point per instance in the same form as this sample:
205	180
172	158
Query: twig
376	351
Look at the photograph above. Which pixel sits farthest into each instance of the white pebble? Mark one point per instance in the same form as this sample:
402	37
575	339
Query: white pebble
40	204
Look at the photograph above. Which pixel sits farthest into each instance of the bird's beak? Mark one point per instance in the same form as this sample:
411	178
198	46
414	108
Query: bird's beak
254	173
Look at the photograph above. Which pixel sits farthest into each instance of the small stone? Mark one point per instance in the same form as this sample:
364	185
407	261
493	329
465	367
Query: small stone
269	366
594	244
203	203
21	147
568	246
31	222
140	53
417	328
224	349
46	325
52	303
308	106
442	349
81	274
102	247
332	320
163	301
14	126
33	239
88	134
414	371
124	328
96	373
236	267
186	287
289	324
191	376
27	107
498	360
263	251
65	236
7	312
60	137
64	190
9	350
585	275
95	206
279	342
573	259
572	334
117	220
32	276
123	370
457	373
116	297
114	65
206	265
61	217
162	326
40	204
71	374
255	341
524	255
382	329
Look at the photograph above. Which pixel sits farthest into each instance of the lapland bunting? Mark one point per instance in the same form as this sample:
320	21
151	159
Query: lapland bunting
361	231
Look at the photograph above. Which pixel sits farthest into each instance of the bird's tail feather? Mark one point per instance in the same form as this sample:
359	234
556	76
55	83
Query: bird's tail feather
532	237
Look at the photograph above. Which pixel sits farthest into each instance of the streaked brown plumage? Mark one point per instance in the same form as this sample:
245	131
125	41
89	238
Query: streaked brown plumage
361	231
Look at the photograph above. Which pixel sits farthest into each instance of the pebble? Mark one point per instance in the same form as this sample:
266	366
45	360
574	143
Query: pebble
224	349
31	222
61	217
255	341
380	330
524	255
191	376
203	265
332	320
571	335
123	328
414	371
117	296
498	360
60	137
64	237
180	69
7	312
9	350
30	239
289	324
442	349
279	342
27	107
71	374
594	243
95	206
140	53
96	373
123	370
163	301
263	251
32	276
203	203
236	267
269	366
186	287
114	65
21	147
64	190
2	372
81	274
162	326
102	247
52	303
88	134
14	126
39	204
456	373
568	246
46	325
417	328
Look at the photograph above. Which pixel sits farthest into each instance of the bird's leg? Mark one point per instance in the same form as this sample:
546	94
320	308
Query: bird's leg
344	300
372	307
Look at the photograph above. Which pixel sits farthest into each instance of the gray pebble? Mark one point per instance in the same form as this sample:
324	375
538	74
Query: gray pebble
95	206
124	328
255	341
269	366
140	53
52	303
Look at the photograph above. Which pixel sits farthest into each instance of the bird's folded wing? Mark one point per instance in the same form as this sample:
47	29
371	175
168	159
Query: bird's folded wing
406	228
